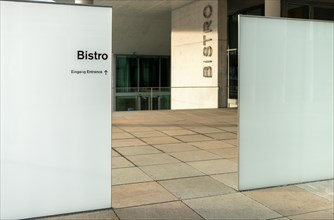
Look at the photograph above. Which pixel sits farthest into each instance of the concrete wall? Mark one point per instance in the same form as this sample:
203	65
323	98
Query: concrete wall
194	56
222	57
143	34
272	8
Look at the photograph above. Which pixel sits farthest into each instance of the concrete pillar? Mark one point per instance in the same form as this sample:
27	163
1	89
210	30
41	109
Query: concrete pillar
194	55
85	2
222	57
272	8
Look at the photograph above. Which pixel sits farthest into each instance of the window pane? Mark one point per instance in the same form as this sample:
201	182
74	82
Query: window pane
126	103
298	11
165	72
324	13
149	72
233	75
165	102
233	31
126	72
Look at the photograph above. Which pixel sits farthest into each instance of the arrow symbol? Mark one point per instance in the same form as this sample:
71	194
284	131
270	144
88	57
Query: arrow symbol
105	72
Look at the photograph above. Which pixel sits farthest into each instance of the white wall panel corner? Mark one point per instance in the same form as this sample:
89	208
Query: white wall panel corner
55	120
286	101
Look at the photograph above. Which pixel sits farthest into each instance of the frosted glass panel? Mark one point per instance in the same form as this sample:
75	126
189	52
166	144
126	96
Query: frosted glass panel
286	101
55	109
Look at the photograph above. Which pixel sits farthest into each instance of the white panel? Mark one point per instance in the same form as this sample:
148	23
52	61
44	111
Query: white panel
55	125
286	101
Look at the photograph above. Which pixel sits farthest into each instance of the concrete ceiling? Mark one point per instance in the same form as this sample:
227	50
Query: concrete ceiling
133	7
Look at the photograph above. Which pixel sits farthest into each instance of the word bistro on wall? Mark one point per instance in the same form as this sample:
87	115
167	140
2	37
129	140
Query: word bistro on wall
207	48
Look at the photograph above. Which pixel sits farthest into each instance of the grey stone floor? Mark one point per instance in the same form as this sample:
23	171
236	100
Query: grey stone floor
183	165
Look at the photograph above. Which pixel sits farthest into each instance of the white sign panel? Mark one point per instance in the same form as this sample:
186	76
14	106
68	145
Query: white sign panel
286	101
55	109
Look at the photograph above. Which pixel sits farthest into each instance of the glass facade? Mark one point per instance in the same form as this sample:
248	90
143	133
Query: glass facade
142	82
298	11
232	52
308	9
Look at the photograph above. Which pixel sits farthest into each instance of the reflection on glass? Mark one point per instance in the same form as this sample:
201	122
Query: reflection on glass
165	102
126	103
233	74
126	72
323	13
298	11
141	82
233	31
233	47
149	72
165	72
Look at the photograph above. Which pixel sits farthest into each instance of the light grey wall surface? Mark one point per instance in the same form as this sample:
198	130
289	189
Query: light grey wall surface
222	57
189	44
142	34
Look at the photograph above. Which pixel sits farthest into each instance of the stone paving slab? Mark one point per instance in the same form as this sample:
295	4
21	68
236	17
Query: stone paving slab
230	206
128	175
192	138
195	187
229	179
194	155
215	166
233	129
121	135
146	160
116	129
115	154
324	189
319	215
138	150
204	129
139	128
290	200
120	162
234	142
127	142
170	171
143	134
163	211
213	144
94	215
223	136
231	152
160	140
139	194
179	147
178	132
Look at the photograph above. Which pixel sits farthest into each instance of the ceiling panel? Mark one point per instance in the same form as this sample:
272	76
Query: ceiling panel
133	7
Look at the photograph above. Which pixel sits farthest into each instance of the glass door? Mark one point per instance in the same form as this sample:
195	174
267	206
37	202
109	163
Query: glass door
148	102
142	83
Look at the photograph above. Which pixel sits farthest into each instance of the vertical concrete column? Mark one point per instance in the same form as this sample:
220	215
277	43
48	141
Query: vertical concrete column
222	57
272	8
194	50
86	2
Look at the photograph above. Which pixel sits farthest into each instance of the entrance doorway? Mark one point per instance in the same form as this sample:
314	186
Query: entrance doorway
142	83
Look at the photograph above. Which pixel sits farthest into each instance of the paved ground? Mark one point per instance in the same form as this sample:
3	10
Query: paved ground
183	165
